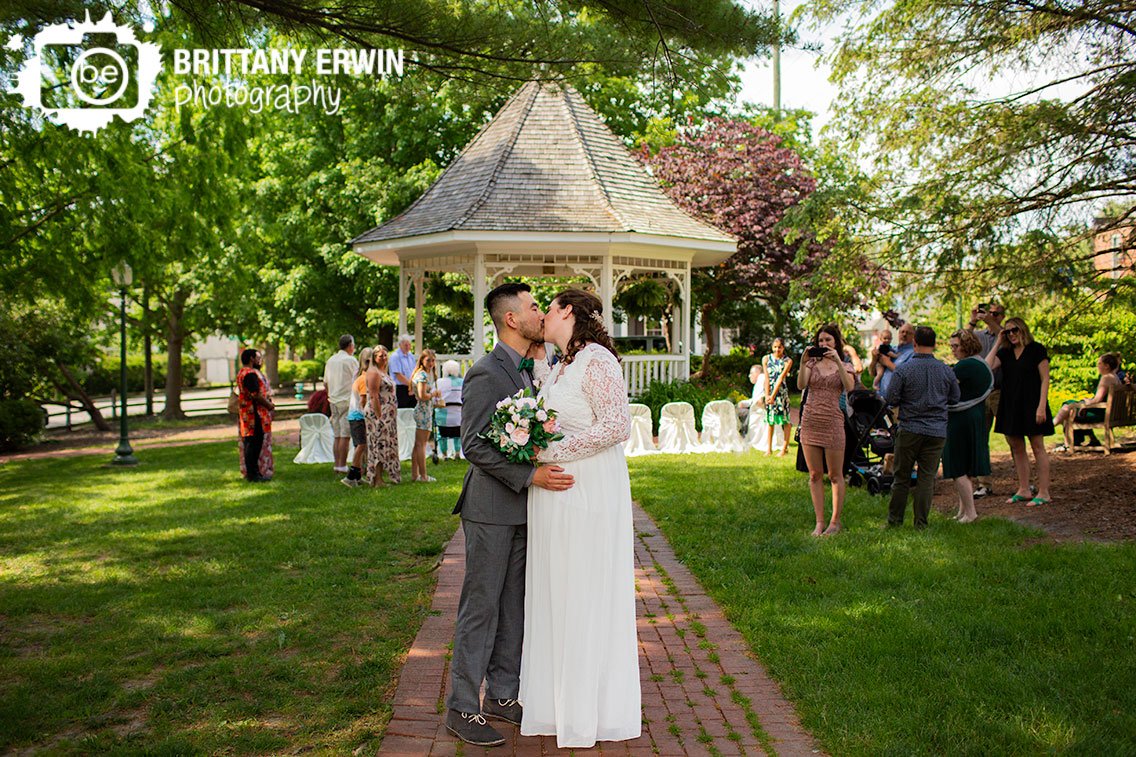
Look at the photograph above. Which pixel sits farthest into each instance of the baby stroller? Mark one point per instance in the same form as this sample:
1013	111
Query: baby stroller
871	435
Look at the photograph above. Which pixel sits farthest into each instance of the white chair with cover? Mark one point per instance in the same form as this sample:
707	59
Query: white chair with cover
316	440
757	436
406	430
641	441
720	428
676	428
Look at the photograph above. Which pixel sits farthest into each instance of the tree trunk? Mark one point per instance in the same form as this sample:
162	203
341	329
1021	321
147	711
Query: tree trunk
175	342
272	363
709	338
84	398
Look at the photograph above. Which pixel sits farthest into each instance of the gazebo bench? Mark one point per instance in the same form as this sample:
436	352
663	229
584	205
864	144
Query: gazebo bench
1119	411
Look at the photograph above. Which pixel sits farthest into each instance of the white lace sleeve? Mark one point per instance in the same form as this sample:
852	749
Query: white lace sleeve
606	394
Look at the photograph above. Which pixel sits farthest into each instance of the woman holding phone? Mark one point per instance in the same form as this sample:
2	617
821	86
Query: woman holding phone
826	377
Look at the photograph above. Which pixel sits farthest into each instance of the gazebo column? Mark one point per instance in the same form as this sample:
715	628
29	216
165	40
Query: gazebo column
478	285
419	312
607	289
401	304
687	291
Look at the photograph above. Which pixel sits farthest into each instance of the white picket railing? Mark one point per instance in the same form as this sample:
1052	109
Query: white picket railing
638	370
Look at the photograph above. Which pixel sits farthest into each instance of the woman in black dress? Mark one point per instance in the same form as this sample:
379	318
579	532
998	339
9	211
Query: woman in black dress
1023	409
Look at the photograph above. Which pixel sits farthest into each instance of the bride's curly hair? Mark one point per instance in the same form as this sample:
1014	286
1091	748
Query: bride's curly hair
589	322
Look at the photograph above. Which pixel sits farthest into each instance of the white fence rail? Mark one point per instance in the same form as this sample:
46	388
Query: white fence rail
638	370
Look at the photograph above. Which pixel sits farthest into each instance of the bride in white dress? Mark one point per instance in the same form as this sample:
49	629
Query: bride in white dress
580	660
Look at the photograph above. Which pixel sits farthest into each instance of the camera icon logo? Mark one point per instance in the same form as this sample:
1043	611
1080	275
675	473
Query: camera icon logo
83	75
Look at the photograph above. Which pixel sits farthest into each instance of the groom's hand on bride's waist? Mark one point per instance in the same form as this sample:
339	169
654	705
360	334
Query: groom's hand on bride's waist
553	478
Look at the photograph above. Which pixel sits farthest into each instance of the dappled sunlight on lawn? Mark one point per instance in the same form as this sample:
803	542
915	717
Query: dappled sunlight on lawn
264	605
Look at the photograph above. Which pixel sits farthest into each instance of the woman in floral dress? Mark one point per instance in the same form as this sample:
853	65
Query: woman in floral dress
381	415
777	366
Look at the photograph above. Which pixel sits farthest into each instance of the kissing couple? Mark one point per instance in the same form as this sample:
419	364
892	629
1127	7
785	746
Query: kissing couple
546	617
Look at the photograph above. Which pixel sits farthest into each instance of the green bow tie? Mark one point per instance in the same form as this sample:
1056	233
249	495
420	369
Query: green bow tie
526	364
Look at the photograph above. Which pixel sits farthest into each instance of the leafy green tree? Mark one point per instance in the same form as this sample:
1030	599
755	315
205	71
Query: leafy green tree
990	130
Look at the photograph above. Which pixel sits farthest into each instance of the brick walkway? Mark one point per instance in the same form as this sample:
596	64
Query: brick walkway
703	694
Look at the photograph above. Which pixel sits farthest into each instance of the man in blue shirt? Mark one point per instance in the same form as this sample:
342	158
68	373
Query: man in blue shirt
402	362
921	388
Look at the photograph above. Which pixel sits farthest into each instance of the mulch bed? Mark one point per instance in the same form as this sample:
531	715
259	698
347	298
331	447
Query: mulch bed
1094	496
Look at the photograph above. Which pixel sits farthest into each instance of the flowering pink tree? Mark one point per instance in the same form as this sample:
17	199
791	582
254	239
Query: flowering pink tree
739	178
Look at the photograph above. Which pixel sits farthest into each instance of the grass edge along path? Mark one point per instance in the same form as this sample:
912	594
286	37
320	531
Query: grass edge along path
959	639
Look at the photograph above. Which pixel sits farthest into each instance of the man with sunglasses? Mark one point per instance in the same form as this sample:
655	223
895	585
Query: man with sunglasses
992	314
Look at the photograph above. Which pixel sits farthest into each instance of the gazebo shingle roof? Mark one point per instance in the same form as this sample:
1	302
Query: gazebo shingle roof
545	163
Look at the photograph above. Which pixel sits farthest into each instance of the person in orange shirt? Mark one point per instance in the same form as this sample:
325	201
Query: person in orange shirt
356	420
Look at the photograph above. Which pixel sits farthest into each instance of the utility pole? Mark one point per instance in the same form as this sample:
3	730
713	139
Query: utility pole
777	60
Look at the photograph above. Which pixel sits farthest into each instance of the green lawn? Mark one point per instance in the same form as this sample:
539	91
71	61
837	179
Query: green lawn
171	609
979	639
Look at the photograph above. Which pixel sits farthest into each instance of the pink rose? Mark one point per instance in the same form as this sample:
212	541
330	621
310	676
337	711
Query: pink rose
520	436
551	426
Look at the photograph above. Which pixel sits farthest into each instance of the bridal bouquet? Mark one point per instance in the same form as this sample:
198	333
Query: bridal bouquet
521	425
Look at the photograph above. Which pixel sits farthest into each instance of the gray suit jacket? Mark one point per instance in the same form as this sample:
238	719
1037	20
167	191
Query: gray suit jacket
495	489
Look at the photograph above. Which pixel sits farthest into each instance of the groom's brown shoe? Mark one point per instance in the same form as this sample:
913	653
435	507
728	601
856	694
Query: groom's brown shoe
472	728
508	710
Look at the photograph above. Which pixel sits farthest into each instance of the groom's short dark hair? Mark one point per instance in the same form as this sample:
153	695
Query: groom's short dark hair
502	300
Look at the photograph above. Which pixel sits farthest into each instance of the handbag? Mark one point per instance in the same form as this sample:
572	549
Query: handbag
234	404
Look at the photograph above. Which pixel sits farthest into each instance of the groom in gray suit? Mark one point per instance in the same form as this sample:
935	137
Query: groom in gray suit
493	506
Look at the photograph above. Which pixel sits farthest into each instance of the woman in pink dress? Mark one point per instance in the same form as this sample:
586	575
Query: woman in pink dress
826	377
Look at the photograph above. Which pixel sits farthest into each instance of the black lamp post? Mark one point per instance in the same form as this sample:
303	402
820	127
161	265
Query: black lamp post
123	276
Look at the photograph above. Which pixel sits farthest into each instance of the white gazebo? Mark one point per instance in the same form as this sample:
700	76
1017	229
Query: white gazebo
547	190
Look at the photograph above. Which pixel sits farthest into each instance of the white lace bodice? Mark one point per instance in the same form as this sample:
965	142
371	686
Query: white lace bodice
590	401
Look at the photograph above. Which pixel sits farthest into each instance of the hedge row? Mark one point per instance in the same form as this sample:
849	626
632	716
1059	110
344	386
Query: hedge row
289	371
105	376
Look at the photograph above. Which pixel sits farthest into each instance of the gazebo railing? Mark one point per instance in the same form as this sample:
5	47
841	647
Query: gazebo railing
639	371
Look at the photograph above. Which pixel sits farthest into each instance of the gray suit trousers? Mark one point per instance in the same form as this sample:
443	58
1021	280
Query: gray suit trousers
491	613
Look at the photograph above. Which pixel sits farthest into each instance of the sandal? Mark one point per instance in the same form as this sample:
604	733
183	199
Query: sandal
1016	499
1037	501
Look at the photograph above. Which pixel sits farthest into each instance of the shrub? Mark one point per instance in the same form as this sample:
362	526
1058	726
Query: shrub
290	371
697	394
20	422
734	366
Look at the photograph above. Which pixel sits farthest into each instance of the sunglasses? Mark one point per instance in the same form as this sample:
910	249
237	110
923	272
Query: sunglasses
1013	330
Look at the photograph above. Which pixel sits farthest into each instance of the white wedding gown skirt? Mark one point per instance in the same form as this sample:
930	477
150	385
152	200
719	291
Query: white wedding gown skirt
580	661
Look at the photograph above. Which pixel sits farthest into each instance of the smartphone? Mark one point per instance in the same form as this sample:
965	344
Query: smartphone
982	306
816	352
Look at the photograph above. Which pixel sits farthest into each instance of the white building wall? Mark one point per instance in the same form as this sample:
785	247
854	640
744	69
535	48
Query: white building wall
218	356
